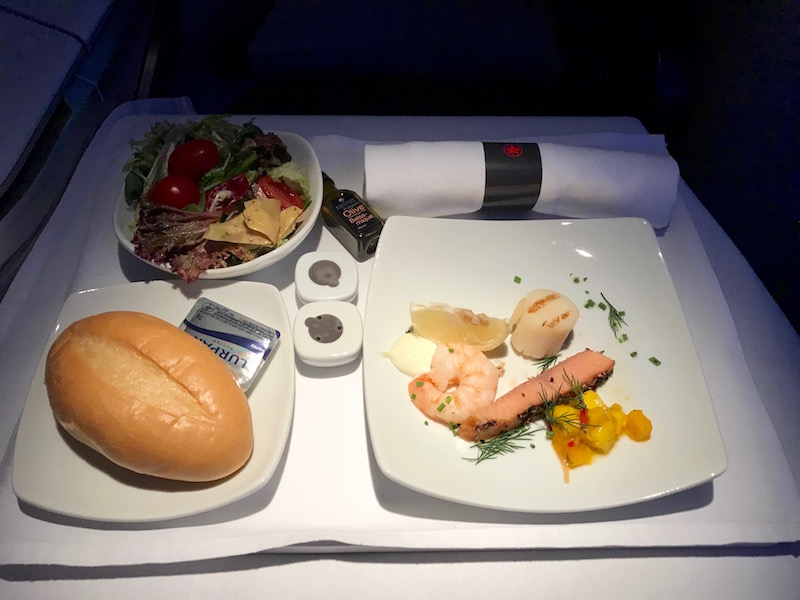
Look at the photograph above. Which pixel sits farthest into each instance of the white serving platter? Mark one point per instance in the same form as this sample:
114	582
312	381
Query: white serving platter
488	266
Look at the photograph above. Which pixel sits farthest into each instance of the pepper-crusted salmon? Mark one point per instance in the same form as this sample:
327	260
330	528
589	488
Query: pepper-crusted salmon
518	406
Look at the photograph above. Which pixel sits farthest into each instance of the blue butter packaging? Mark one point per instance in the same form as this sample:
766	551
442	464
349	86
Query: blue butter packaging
243	344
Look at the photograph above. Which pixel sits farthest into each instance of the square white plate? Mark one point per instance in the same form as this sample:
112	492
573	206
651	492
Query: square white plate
473	264
53	472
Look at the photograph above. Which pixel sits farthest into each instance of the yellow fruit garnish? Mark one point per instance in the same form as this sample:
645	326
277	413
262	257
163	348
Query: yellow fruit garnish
601	432
619	417
567	418
578	433
445	324
572	451
592	400
638	426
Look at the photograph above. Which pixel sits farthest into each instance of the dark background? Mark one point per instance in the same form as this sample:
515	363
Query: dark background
719	79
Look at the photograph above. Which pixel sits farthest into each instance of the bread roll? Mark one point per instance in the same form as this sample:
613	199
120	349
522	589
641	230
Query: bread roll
149	397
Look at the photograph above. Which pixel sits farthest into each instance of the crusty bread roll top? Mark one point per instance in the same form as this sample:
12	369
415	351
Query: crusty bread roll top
149	397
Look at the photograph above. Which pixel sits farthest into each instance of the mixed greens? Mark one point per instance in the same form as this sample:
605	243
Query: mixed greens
210	193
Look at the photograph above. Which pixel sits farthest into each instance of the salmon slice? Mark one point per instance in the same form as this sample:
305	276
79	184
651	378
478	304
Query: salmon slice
518	406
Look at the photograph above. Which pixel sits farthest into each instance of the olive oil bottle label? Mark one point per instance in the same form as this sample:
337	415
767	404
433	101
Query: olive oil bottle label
350	220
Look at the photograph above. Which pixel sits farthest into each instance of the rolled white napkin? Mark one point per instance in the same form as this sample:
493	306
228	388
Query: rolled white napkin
449	178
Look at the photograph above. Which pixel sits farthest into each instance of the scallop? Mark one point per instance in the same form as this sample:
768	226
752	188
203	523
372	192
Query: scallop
541	322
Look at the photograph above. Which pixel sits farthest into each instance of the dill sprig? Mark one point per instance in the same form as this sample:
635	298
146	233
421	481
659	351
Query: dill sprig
546	362
564	421
508	442
615	320
548	404
577	390
545	408
505	443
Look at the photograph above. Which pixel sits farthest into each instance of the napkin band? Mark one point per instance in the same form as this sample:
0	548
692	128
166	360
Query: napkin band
513	175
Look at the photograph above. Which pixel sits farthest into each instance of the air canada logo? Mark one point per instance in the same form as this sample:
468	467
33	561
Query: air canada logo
512	150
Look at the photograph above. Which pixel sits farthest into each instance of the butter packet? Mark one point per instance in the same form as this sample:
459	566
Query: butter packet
243	344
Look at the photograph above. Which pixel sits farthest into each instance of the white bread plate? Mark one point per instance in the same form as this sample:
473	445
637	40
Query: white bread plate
54	473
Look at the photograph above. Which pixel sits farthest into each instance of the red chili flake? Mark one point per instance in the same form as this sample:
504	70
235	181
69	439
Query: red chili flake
584	416
571	443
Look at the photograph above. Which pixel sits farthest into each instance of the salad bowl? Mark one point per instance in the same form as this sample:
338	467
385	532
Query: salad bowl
305	158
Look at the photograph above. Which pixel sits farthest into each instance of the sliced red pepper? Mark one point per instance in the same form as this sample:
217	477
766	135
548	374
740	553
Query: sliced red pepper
226	193
280	190
584	416
571	443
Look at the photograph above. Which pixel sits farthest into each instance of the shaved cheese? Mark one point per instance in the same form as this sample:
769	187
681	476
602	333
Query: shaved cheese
235	231
264	216
262	223
289	217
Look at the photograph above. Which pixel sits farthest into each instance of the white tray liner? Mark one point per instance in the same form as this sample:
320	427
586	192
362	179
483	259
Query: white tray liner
328	494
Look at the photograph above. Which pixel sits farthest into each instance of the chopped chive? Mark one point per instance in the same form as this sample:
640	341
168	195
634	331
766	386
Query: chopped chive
654	360
624	337
550	433
420	383
413	396
517	279
589	303
426	422
448	399
440	408
634	354
576	279
602	306
450	350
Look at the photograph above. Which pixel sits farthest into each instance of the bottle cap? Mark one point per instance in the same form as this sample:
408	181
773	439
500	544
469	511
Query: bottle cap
328	333
325	275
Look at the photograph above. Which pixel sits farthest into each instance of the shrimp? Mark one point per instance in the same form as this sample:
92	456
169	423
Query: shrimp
461	381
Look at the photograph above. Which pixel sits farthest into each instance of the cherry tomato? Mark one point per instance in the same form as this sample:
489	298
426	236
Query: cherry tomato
175	190
194	158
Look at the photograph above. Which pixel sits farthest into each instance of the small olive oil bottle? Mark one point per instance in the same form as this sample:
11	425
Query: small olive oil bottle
350	220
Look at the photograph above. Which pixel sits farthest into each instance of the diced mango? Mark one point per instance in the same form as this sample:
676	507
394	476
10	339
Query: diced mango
570	450
592	400
560	440
638	426
578	454
567	418
619	417
601	431
578	434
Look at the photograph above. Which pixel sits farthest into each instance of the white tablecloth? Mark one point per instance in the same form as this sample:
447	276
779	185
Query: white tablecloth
332	498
